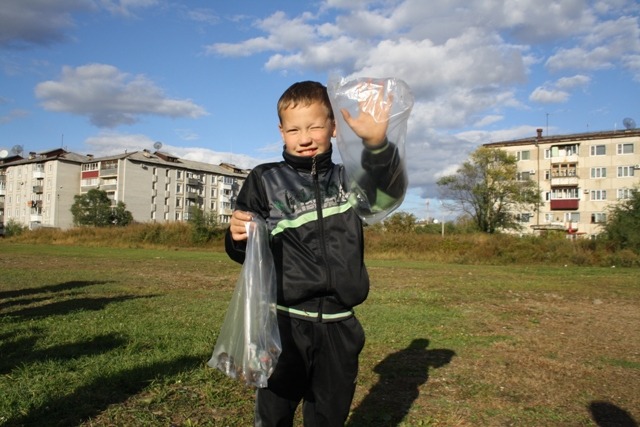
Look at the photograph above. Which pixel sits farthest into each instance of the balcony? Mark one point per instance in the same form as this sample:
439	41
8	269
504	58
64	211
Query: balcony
565	204
196	182
38	174
109	172
108	187
568	158
564	181
38	189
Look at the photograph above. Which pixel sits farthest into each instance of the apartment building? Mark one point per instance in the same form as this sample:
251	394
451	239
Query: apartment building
155	187
39	189
580	176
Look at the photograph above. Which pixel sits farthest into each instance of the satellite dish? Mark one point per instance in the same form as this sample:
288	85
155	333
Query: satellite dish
3	154
629	123
17	149
157	145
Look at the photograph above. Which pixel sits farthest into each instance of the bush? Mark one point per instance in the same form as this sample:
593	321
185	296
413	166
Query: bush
13	228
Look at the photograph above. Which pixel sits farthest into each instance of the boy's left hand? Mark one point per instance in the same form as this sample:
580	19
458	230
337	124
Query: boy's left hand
373	118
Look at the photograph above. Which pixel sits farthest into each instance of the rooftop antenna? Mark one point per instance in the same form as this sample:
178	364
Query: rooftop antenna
157	145
629	123
17	149
3	153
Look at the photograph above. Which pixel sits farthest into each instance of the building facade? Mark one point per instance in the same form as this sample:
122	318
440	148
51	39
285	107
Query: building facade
580	176
156	187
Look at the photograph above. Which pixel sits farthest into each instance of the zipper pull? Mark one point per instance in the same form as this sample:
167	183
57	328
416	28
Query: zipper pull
314	171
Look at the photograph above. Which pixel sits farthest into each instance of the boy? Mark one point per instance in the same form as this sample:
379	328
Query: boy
317	243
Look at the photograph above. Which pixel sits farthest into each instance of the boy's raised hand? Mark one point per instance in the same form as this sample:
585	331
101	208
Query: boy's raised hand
373	118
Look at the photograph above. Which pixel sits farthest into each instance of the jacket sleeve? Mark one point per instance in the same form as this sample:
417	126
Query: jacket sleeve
385	178
252	198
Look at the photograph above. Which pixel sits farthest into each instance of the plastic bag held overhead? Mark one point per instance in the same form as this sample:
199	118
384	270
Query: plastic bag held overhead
377	181
248	346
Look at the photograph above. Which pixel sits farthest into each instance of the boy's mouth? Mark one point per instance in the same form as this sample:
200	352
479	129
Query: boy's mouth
309	152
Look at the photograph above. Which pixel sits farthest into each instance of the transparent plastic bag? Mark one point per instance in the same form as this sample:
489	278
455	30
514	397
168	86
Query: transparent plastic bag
385	99
248	346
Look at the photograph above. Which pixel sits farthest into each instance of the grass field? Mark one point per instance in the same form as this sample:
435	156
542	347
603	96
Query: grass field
120	337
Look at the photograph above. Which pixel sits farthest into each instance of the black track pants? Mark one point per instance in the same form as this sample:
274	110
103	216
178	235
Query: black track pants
318	364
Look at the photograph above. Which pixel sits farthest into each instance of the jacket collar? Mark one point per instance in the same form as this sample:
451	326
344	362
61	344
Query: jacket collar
323	161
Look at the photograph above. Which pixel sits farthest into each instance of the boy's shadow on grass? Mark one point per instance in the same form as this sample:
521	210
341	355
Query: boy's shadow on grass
606	414
89	401
23	351
401	375
60	287
70	305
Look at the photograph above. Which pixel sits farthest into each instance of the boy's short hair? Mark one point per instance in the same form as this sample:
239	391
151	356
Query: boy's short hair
304	93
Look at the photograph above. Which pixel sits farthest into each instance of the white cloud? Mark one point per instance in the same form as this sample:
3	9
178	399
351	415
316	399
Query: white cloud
573	82
13	115
488	120
126	7
205	16
602	47
110	97
549	96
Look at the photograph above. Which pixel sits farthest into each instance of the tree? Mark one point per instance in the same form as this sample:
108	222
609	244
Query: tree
94	209
486	189
623	223
400	222
204	225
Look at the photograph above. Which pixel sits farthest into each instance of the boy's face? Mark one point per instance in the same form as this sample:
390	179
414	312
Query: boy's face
307	130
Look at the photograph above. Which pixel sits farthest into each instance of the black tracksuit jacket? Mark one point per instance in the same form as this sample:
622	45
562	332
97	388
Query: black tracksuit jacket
316	236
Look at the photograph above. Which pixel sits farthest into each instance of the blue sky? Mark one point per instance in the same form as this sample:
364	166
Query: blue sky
203	77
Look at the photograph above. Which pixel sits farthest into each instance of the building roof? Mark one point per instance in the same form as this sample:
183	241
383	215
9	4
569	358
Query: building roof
54	154
555	139
164	159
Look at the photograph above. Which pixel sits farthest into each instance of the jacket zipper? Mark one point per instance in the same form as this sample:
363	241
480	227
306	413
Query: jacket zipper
321	231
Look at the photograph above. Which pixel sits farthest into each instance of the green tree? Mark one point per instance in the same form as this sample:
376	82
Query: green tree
94	209
400	222
486	189
204	225
623	223
120	215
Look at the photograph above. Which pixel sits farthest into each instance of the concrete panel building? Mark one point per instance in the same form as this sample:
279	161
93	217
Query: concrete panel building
39	190
580	176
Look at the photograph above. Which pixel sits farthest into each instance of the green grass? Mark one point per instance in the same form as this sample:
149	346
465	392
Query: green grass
101	336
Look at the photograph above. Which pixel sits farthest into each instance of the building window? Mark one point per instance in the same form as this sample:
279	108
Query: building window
90	167
573	217
547	174
564	169
625	148
523	176
625	193
523	155
598	194
564	193
523	217
625	171
598	218
564	150
598	150
548	218
598	172
179	188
